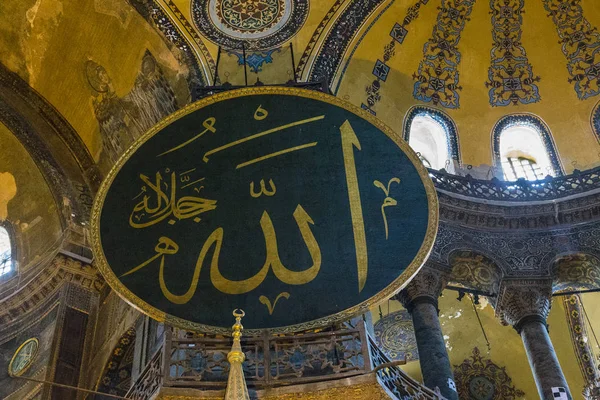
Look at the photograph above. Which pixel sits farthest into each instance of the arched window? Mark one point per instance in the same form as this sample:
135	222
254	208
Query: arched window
523	148
432	135
5	252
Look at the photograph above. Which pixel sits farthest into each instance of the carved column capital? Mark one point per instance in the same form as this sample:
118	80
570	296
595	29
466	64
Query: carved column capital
523	300
425	287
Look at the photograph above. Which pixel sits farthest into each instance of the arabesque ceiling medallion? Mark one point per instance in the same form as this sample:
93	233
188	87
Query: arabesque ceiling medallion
257	24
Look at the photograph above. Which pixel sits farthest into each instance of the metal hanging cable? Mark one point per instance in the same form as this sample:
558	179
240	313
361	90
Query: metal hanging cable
474	302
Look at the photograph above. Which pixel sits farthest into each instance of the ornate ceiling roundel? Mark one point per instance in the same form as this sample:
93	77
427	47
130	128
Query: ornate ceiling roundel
258	24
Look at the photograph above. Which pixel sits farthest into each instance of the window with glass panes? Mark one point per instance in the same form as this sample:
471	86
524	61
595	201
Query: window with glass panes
5	252
521	167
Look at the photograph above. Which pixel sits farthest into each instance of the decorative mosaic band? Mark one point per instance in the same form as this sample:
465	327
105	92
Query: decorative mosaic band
334	47
173	37
596	121
580	44
437	77
510	77
381	69
579	338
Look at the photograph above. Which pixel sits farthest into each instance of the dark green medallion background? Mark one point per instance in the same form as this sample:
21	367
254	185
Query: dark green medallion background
313	177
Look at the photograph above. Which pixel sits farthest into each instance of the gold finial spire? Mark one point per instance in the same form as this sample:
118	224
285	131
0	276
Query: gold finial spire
236	383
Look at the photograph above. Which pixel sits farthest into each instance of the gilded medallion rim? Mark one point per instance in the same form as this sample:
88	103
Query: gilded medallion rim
29	363
395	286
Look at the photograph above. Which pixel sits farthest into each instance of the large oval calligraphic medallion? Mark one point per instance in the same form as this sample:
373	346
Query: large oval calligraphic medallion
290	204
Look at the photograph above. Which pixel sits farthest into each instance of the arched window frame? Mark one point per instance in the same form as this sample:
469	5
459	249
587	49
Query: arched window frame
595	120
441	118
13	249
532	121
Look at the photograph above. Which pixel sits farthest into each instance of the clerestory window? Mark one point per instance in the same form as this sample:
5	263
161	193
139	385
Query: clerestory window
432	135
523	148
5	252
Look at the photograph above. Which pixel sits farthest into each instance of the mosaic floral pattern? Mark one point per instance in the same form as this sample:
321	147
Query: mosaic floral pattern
580	44
395	335
437	78
579	339
479	378
253	24
250	15
577	272
116	378
398	34
256	60
473	270
510	76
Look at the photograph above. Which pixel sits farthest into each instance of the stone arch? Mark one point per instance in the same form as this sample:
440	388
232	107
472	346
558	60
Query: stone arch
116	376
575	271
474	270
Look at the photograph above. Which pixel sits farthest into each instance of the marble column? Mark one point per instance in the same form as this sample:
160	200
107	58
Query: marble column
525	304
420	298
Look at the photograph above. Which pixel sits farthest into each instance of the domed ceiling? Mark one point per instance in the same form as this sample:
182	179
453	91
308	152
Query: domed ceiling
120	66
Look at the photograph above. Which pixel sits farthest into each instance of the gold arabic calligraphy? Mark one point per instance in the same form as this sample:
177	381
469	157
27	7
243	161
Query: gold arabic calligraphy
167	246
153	209
159	201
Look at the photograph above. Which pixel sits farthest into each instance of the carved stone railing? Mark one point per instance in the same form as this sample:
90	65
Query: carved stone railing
397	382
549	188
271	361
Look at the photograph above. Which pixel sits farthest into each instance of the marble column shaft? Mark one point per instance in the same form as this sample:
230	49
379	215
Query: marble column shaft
420	299
542	358
525	304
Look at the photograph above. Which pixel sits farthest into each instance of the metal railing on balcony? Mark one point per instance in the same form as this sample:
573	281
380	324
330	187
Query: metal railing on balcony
550	188
271	361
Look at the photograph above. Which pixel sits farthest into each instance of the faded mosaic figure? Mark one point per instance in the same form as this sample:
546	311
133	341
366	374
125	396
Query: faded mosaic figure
124	119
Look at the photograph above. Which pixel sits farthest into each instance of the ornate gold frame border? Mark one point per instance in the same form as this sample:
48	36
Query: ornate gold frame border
29	363
397	285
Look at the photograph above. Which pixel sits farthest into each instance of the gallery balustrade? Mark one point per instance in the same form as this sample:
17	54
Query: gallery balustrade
273	361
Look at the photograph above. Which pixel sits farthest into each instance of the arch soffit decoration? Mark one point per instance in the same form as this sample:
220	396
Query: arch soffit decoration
530	120
575	271
474	270
53	144
441	118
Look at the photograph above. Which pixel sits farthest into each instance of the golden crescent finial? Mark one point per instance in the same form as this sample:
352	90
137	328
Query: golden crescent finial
239	314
